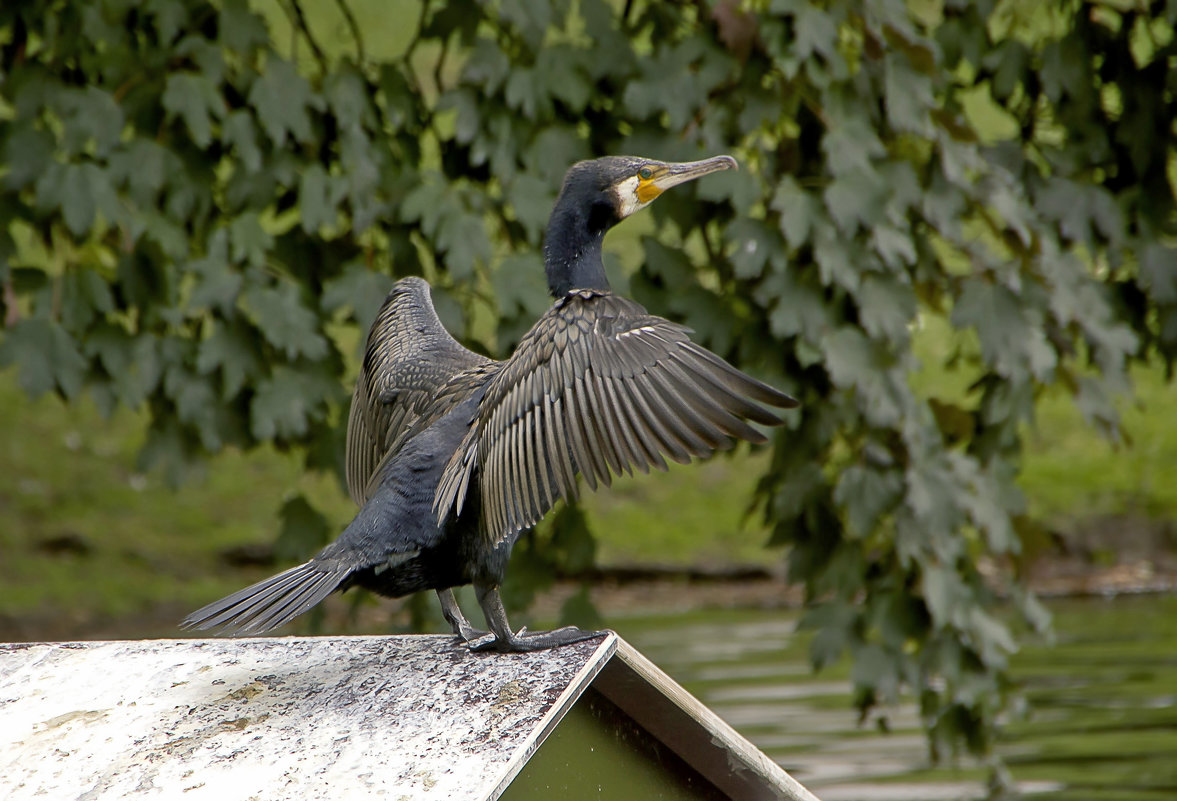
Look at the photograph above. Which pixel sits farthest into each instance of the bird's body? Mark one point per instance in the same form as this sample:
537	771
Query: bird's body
452	455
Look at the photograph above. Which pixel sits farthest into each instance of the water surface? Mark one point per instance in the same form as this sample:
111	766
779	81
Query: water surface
1103	720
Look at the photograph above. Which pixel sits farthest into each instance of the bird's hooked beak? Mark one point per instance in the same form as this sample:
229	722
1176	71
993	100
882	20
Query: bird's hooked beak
672	174
655	177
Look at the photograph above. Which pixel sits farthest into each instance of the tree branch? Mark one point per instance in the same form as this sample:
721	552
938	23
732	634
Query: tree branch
345	9
301	22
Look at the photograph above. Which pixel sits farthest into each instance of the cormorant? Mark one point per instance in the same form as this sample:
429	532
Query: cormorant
451	455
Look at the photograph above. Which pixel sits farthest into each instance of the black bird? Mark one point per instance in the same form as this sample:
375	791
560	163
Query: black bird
451	455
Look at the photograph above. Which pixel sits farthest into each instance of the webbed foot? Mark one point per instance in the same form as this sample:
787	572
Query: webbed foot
504	640
522	641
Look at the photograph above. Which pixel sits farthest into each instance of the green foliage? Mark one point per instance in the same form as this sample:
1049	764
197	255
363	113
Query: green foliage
304	529
188	209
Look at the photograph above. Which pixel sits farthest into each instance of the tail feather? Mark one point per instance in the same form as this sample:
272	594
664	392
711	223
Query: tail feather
300	600
272	602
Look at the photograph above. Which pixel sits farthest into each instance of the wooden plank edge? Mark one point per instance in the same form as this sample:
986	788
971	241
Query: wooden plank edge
692	730
580	682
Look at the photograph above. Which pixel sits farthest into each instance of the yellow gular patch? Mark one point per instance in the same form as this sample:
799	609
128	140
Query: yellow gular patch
647	191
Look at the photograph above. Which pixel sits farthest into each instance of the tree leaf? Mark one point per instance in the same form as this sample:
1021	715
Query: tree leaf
143	167
867	493
855	362
287	402
855	198
887	308
47	356
840	262
754	244
195	403
90	115
284	321
798	209
908	94
932	497
947	599
239	132
68	188
27	153
170	237
193	97
360	289
218	286
532	200
168	17
426	203
833	622
1158	271
795	308
815	30
231	349
133	363
241	30
895	246
523	93
346	93
316	208
1082	210
487	66
84	296
1008	341
518	287
462	238
578	610
572	543
283	99
248	240
304	530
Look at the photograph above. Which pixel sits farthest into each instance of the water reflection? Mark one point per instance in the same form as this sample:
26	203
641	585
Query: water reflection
1104	696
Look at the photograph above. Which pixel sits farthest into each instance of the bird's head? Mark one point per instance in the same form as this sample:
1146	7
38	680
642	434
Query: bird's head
597	195
612	188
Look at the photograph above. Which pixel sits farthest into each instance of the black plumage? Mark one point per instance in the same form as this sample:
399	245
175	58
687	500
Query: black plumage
451	455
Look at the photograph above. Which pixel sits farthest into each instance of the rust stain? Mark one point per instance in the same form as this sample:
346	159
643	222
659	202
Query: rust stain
248	692
510	694
241	723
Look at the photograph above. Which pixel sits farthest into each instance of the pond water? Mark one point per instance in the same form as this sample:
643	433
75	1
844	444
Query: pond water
1102	723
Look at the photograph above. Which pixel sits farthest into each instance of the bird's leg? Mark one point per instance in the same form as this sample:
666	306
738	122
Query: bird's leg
457	620
506	640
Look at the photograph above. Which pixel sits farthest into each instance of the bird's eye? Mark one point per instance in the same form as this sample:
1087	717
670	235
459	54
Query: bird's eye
645	173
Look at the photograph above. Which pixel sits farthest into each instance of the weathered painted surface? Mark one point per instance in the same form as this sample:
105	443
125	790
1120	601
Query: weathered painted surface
308	718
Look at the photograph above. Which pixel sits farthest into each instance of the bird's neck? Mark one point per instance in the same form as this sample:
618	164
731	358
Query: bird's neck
572	254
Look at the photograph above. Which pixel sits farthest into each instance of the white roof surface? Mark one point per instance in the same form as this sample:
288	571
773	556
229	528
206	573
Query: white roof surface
403	718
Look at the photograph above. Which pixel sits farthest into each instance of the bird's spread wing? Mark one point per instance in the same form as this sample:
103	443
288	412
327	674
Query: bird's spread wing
597	387
409	358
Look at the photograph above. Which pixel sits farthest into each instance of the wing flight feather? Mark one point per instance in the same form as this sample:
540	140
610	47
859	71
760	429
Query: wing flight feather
409	358
598	387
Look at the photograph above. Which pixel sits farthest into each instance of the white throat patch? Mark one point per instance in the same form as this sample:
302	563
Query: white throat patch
627	197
